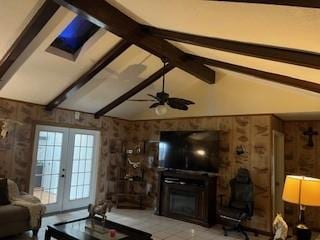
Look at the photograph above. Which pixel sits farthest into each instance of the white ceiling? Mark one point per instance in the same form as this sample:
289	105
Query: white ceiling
290	27
12	24
39	76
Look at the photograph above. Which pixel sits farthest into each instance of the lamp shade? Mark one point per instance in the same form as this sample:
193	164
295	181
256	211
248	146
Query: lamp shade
302	190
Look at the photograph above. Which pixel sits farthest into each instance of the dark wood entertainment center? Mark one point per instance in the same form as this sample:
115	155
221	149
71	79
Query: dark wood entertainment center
187	196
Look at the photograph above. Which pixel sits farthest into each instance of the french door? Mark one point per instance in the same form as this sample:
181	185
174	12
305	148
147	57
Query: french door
64	167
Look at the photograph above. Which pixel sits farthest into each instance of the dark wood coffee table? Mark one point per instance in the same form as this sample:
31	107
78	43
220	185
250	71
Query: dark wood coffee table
76	230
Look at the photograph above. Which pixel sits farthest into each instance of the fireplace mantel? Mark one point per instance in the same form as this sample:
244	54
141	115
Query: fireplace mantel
187	196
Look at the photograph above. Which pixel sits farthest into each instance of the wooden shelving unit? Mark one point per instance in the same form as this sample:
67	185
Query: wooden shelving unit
131	187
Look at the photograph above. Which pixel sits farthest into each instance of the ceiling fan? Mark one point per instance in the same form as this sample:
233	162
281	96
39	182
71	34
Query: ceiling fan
162	99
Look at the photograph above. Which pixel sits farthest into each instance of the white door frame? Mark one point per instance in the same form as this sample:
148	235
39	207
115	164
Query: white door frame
67	153
58	205
277	155
71	204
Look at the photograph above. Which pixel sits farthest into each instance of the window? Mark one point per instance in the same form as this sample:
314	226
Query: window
70	41
81	166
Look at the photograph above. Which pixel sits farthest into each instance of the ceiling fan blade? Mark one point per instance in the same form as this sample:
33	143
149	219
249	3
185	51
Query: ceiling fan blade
154	105
158	99
177	105
181	101
141	100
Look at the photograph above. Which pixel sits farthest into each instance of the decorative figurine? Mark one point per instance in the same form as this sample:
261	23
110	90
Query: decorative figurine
100	209
280	228
134	164
6	125
4	129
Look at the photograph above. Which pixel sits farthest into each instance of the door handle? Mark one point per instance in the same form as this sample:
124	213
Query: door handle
62	175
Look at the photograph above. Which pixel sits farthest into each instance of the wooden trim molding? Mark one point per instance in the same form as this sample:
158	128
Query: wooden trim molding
116	51
40	19
151	79
286	55
125	27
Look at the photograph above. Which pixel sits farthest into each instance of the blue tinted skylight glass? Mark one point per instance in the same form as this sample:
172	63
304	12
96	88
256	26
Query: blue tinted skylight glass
74	36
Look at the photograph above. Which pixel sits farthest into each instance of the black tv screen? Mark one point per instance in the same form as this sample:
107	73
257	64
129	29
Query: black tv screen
189	150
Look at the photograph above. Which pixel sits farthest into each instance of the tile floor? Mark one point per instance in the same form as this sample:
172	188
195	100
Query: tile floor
159	227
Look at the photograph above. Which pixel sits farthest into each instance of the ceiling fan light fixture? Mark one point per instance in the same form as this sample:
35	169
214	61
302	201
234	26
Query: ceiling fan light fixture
161	110
162	100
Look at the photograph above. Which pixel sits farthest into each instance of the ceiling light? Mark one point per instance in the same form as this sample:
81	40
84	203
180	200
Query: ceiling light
161	110
201	152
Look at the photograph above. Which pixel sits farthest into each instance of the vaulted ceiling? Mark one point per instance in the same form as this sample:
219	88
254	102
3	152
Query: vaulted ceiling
117	59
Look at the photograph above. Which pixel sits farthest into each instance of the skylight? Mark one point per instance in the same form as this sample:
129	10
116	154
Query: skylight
74	36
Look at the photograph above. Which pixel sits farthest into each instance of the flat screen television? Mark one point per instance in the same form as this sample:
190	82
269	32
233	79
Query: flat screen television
189	150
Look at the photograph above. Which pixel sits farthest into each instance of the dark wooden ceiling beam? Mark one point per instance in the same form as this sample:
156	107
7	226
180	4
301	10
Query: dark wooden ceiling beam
40	19
127	28
286	55
151	79
282	79
116	51
293	3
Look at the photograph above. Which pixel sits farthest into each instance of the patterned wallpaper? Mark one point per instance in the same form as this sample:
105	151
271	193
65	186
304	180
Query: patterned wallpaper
302	160
16	149
253	132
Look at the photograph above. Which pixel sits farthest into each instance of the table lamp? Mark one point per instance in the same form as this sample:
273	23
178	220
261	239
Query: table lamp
304	191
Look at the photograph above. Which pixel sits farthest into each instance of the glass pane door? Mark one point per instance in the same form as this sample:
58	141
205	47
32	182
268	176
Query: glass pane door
48	156
80	178
64	167
81	166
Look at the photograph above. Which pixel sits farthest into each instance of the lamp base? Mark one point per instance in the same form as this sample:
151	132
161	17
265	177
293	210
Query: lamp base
303	232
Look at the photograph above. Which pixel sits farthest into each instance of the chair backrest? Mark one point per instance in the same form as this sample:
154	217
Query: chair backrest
242	192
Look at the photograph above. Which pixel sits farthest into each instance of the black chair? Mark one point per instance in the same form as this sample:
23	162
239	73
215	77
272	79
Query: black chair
240	207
